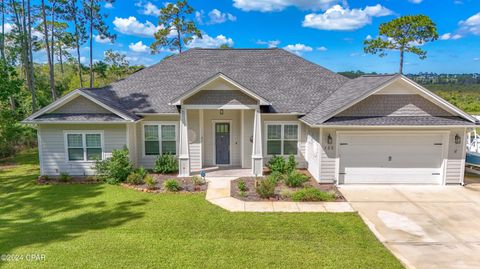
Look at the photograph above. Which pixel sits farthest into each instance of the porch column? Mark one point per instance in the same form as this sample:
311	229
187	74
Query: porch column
183	154
257	156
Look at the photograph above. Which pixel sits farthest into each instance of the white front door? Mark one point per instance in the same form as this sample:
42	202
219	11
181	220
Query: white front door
391	158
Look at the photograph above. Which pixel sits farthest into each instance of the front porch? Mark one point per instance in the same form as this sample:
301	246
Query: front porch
220	139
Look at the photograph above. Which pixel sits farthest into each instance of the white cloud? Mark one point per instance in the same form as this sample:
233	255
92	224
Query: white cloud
269	43
471	25
322	48
130	26
8	28
102	39
298	48
83	60
476	59
415	1
279	5
449	36
368	37
210	42
339	18
108	5
215	16
138	47
148	9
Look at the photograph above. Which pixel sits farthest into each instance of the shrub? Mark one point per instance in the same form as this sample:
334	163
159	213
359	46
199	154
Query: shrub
291	164
166	164
286	193
171	185
242	186
142	172
151	182
312	195
197	181
242	193
266	188
277	164
295	179
276	176
65	177
135	178
115	169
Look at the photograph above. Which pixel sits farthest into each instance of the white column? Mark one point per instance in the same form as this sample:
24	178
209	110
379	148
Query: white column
183	154
257	155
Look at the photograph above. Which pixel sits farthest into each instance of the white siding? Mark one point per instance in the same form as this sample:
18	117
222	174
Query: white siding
456	158
248	116
328	159
193	118
54	159
312	154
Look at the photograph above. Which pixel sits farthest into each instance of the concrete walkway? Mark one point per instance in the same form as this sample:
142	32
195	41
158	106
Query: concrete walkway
424	226
218	193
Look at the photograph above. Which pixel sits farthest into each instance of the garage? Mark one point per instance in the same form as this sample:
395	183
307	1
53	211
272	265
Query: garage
391	157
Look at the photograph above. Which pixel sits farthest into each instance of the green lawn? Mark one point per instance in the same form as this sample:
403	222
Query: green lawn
103	226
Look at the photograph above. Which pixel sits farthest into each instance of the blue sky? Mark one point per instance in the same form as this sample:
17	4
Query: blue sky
327	32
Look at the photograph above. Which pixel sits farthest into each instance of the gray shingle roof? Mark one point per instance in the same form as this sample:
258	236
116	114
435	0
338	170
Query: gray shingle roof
389	120
288	81
344	95
81	117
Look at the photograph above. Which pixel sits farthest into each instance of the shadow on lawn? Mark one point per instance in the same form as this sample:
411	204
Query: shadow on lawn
32	214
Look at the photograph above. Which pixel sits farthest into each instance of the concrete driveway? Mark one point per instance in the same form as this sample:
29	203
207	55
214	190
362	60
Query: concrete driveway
424	226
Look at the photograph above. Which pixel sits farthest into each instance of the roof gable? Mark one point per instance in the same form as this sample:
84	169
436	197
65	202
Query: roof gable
223	83
80	104
71	97
359	89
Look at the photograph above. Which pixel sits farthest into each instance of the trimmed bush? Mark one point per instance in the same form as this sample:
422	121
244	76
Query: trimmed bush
276	176
242	186
172	185
197	181
135	178
291	164
65	177
277	164
295	179
166	164
115	169
312	195
150	182
266	188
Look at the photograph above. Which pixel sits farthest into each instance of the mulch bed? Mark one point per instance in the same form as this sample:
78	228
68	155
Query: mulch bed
55	180
252	195
185	182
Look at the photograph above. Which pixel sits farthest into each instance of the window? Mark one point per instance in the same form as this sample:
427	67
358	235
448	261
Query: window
160	139
282	139
84	146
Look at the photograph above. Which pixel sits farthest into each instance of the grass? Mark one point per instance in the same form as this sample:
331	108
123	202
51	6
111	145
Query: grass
104	226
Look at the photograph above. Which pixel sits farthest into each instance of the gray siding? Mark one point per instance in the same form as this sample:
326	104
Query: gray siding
81	105
194	138
394	105
53	152
220	97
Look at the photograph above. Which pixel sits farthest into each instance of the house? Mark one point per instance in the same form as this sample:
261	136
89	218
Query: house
239	107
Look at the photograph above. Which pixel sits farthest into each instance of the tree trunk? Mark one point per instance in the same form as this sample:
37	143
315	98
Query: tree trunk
52	42
77	43
2	42
91	43
401	61
47	46
61	59
31	85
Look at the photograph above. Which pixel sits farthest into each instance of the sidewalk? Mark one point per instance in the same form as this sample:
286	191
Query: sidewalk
218	193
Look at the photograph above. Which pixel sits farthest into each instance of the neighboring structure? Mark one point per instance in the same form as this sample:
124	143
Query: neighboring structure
239	107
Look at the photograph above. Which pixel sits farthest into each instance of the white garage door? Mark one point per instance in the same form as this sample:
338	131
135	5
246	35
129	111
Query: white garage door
386	158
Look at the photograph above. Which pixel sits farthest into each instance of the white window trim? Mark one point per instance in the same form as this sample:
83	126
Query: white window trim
84	144
282	123
159	124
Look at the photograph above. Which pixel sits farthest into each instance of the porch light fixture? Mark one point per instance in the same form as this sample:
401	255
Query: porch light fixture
457	139
329	139
221	111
